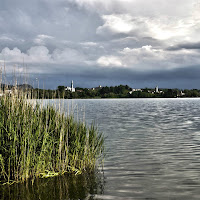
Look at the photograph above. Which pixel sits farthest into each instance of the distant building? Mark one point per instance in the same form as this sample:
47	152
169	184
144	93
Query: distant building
97	88
156	89
135	90
79	90
71	89
182	93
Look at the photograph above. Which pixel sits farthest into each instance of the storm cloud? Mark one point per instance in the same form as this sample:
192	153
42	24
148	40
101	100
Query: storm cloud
140	43
193	45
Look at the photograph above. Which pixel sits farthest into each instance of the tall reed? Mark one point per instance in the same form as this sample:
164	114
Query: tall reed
40	141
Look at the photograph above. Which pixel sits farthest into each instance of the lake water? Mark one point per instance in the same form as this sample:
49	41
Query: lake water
152	152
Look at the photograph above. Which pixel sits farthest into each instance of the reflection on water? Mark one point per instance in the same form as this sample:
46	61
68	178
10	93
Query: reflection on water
152	152
59	188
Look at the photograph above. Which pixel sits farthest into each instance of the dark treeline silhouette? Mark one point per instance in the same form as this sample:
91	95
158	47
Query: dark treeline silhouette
121	91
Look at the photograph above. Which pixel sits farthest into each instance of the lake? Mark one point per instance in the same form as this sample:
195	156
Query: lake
152	152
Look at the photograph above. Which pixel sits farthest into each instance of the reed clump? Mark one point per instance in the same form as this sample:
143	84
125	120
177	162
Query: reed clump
40	141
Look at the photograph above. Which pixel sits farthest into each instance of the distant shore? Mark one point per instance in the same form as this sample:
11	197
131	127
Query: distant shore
121	91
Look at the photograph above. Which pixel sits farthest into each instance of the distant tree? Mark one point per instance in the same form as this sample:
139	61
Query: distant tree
61	91
61	88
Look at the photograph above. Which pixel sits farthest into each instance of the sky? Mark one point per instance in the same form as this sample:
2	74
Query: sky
102	42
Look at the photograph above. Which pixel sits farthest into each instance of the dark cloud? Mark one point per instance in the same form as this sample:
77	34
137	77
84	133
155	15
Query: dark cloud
26	20
191	45
177	78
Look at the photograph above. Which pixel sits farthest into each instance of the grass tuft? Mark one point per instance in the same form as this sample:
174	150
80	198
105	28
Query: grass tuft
40	141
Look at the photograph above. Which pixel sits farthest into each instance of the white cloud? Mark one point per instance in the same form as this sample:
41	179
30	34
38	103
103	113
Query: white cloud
37	54
68	56
6	38
148	58
40	39
109	61
143	58
141	53
163	28
42	36
116	24
89	43
138	8
168	27
40	55
14	55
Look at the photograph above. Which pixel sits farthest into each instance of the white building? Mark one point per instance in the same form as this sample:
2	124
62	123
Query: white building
135	90
182	94
71	89
99	87
156	89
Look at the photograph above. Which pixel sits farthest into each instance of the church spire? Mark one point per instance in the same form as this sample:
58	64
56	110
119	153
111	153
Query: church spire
72	85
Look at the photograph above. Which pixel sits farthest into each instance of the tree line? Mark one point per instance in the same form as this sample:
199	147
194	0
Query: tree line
121	91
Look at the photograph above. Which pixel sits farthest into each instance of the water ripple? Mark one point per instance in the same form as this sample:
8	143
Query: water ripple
153	147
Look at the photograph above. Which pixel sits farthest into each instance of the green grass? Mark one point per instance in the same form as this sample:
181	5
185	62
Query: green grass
38	141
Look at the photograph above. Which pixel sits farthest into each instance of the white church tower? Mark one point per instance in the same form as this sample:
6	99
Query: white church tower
72	86
156	89
72	89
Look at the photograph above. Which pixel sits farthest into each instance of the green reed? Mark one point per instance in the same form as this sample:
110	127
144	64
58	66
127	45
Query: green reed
40	141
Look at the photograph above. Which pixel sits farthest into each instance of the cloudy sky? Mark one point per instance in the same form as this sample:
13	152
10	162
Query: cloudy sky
102	42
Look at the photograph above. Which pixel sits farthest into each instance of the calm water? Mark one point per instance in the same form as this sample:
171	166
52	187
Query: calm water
153	152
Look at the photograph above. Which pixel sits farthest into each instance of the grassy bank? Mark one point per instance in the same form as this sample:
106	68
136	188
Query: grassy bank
38	141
